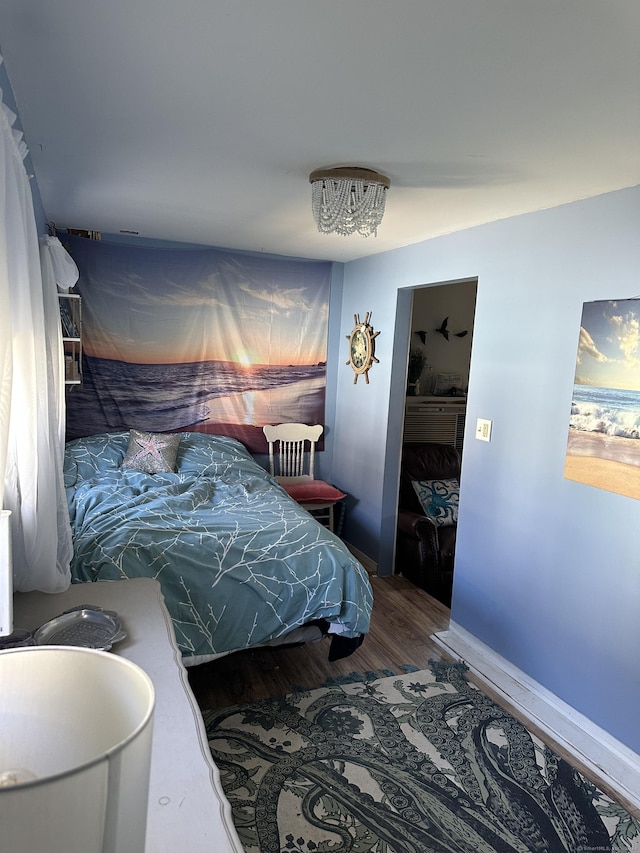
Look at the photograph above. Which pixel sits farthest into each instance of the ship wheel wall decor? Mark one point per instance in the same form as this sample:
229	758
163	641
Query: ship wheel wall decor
362	345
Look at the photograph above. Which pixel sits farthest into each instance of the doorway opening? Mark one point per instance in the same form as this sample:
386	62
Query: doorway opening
434	332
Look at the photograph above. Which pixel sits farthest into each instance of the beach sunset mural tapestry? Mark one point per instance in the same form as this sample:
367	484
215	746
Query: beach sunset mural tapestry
603	449
198	339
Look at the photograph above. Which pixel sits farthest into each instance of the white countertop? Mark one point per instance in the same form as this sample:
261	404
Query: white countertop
187	806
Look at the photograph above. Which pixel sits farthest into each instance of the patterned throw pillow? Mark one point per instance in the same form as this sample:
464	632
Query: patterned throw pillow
439	499
151	452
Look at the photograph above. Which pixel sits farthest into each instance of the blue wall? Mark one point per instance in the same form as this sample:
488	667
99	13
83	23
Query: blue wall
547	570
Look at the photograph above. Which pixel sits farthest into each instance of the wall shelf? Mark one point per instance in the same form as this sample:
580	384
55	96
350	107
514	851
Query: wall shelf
71	320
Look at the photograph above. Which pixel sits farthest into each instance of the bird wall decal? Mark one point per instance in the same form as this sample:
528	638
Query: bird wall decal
443	328
422	335
444	331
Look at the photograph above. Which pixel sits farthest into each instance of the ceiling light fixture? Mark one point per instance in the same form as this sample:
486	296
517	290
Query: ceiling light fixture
348	199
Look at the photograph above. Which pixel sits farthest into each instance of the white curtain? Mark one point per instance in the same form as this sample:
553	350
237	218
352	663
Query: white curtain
31	384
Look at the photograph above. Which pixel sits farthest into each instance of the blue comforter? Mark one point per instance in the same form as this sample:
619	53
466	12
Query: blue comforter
239	562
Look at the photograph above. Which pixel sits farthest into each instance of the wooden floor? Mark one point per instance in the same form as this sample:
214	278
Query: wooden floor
403	620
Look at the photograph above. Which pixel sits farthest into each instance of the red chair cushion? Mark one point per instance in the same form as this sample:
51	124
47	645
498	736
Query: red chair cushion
315	491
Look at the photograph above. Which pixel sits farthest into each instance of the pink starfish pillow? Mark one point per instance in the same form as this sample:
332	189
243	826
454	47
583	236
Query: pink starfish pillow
151	452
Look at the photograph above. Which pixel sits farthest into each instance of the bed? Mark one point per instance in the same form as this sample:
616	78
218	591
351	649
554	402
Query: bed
239	562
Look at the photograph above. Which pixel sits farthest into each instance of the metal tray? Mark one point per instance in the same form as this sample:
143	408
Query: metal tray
87	626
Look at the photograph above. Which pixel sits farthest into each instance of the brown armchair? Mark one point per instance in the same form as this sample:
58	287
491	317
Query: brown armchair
424	551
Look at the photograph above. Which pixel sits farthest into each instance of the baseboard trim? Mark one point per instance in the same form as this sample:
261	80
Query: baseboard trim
370	565
608	759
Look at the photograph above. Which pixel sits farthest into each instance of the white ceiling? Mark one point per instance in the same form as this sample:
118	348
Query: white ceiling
200	120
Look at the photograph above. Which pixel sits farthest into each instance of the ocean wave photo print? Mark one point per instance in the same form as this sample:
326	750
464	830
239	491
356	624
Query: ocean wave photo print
603	447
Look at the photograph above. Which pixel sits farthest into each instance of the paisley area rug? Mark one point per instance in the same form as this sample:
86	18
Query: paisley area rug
405	764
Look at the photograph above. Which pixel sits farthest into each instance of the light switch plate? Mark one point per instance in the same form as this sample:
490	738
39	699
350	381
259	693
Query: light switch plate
483	429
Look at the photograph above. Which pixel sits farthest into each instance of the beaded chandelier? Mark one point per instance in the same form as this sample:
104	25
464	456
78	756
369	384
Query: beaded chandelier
348	199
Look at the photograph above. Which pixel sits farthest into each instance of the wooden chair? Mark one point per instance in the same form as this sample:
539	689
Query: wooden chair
292	450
